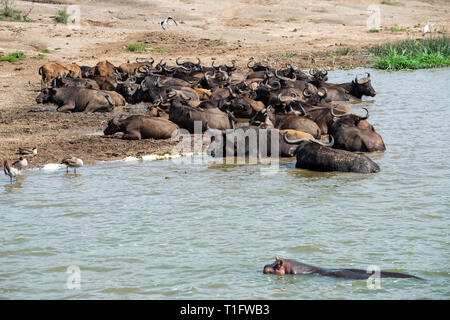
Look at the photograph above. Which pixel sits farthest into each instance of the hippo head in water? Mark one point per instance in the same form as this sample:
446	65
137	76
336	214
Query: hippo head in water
278	267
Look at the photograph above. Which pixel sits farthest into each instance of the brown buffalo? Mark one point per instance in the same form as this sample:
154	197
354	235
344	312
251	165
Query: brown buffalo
354	133
52	70
76	99
137	127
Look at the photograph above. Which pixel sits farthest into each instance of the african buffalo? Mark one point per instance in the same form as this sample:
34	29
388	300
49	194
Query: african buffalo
74	82
316	156
76	99
185	116
350	90
249	141
137	127
353	133
52	70
286	121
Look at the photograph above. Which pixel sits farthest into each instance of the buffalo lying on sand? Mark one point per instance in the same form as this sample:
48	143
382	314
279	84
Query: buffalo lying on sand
138	127
76	99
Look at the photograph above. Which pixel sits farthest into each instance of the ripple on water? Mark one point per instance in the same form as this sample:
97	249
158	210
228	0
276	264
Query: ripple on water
177	229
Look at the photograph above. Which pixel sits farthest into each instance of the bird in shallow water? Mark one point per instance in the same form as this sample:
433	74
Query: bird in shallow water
10	171
73	163
27	151
21	163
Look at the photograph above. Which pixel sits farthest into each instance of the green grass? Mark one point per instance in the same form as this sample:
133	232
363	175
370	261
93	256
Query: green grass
13	57
216	43
137	47
413	54
291	19
13	15
45	51
389	3
62	16
158	49
373	30
38	57
395	29
345	51
288	55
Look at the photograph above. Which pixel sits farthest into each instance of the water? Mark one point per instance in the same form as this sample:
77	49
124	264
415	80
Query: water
171	230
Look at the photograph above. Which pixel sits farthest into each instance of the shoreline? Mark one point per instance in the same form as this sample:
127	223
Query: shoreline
321	35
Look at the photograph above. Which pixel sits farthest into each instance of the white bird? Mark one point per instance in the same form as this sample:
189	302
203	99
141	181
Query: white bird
428	28
166	21
28	151
73	163
20	164
11	172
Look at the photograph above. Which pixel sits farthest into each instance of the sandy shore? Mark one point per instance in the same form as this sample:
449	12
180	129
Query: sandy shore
307	35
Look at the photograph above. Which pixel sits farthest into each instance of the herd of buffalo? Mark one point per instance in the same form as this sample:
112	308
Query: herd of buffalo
287	106
295	106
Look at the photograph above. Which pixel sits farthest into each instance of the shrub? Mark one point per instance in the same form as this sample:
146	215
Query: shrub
13	57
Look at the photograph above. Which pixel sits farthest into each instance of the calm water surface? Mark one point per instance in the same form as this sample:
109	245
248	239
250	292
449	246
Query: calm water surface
175	230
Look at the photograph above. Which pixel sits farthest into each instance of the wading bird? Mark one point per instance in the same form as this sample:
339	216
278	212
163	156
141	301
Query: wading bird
27	151
11	172
20	164
428	28
73	163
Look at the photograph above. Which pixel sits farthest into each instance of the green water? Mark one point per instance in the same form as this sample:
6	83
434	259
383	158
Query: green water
179	230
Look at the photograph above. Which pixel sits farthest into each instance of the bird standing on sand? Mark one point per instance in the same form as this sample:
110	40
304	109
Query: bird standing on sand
73	163
166	21
20	164
28	151
10	171
428	28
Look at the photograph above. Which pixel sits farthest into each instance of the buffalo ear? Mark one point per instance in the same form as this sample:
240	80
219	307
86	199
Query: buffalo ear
53	90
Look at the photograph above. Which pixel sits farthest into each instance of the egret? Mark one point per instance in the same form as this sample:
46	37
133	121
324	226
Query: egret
428	28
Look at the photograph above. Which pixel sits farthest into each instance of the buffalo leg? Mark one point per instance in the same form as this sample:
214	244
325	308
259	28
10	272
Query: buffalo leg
66	108
132	136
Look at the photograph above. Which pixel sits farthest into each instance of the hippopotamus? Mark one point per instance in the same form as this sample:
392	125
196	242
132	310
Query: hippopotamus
288	266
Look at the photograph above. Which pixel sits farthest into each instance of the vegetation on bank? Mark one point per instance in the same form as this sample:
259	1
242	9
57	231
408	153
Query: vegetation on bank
9	13
136	47
413	54
62	17
13	57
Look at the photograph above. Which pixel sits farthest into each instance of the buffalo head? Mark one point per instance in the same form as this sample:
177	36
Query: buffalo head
362	87
113	126
45	95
